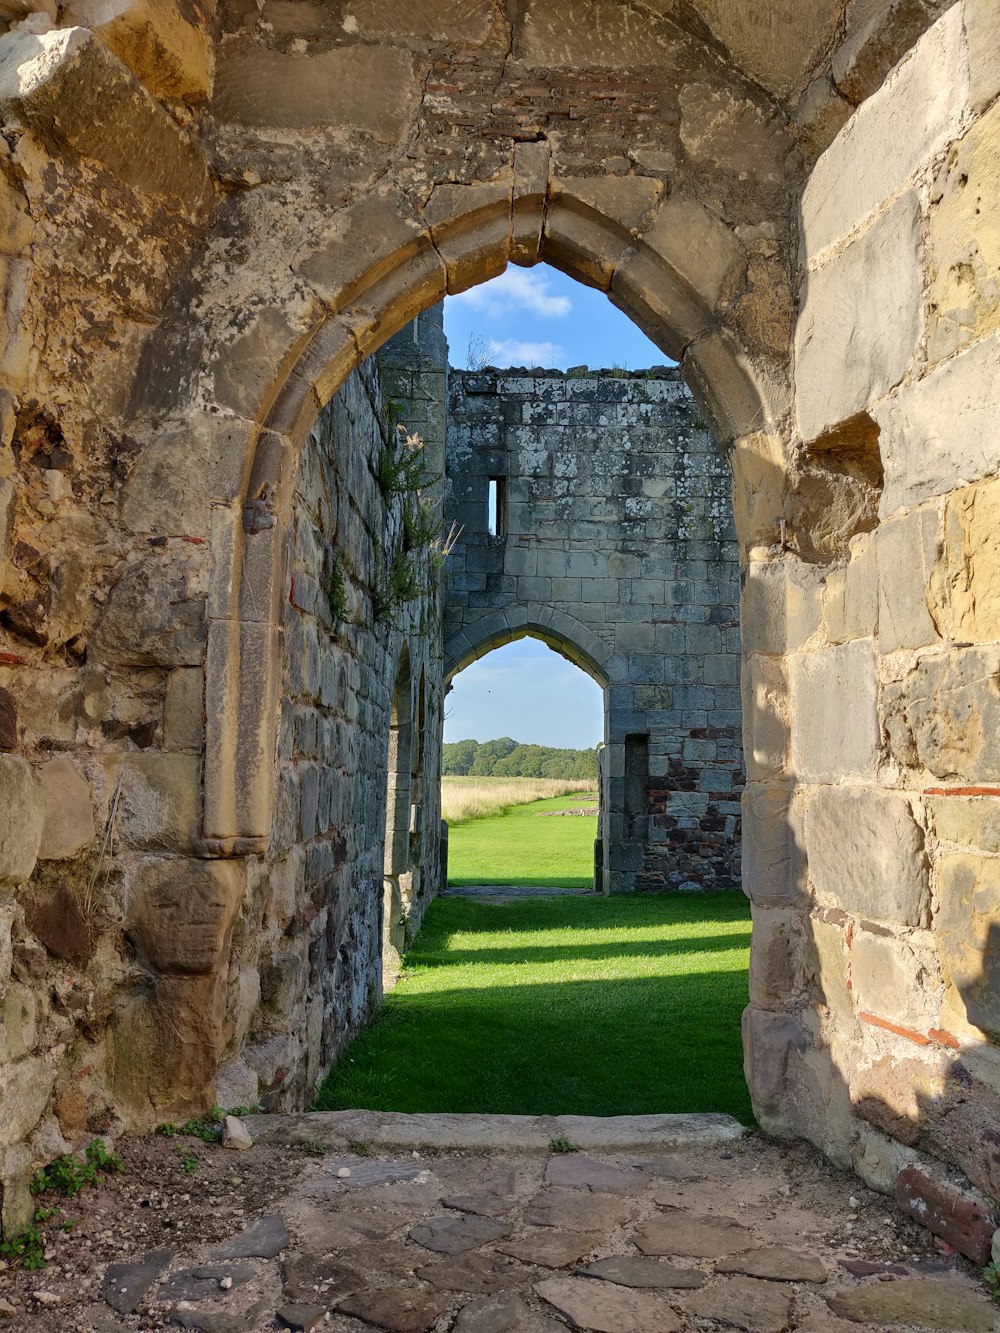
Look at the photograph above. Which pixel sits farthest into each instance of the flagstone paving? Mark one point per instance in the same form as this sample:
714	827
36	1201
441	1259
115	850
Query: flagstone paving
749	1234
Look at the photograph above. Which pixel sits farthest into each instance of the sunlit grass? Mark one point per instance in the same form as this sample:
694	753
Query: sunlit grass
600	1006
477	798
525	845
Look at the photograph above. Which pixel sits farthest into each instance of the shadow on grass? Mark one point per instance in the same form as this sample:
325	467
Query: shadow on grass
531	954
616	1047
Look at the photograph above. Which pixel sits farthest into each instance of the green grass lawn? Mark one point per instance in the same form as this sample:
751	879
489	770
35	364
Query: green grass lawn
595	1006
522	847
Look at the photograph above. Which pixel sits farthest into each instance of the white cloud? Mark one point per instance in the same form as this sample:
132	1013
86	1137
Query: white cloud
514	352
516	289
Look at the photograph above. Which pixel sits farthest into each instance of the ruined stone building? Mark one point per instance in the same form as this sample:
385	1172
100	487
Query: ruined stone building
222	659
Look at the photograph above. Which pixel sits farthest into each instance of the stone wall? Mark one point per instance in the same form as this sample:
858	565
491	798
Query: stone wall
617	548
212	213
872	683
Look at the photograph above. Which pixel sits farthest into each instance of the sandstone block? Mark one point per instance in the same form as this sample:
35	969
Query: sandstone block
827	970
862	312
182	912
972	544
22	814
591	223
850	607
897	979
776	52
177	475
984	52
737	397
945	714
969	821
927	1302
772	845
57	919
875	44
834	712
183	725
170	55
25	1088
154	1078
769	1041
782	605
158	798
703	252
939	432
775	959
369	88
909	580
73	92
866	854
916	112
586	32
593	1304
964	295
69	811
155	615
439	20
967	931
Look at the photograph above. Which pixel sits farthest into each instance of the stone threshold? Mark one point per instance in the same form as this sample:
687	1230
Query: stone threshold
523	1133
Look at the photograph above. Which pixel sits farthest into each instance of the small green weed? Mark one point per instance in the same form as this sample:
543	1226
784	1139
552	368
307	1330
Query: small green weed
337	599
562	1145
189	1162
402	469
991	1276
67	1176
312	1147
208	1128
358	1148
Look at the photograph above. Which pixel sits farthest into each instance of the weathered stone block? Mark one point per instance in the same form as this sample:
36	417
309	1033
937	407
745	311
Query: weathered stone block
940	432
158	800
69	811
586	32
170	55
826	970
969	821
866	854
770	1041
72	91
183	710
897	979
776	958
964	257
182	912
25	1088
967	929
861	312
909	580
850	606
590	223
834	712
171	487
916	112
782	605
57	919
155	615
945	714
22	814
700	249
773	846
439	20
370	88
984	52
778	52
765	717
972	543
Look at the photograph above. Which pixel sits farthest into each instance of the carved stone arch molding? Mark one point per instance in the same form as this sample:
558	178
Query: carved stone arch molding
555	628
626	237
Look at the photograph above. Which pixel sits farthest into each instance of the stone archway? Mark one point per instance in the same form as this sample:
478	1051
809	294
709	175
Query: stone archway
343	178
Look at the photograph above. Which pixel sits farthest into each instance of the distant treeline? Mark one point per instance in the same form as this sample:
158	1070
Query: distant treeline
509	759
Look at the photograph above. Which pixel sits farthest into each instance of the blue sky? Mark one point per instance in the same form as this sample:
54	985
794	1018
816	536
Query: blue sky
539	316
535	316
526	691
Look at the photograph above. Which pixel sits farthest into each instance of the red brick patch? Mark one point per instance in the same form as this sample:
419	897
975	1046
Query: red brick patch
946	1211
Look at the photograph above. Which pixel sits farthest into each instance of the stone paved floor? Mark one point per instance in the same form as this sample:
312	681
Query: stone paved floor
726	1232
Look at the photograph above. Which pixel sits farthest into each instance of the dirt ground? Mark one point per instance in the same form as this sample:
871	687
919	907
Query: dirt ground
423	1240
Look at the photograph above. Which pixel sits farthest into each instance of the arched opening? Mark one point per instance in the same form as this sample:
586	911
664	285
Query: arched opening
524	727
